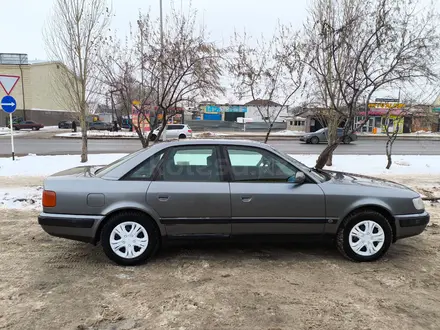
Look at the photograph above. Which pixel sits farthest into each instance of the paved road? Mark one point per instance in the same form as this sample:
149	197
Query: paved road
56	146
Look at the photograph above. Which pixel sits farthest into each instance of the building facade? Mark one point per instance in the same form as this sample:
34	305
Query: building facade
259	111
39	94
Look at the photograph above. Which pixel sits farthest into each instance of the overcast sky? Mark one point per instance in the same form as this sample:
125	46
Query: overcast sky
26	18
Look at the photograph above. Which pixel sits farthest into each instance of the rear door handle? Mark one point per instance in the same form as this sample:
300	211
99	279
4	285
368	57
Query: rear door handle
246	199
163	198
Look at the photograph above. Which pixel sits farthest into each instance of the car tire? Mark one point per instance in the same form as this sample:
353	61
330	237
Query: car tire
347	140
147	238
182	136
359	227
314	140
16	128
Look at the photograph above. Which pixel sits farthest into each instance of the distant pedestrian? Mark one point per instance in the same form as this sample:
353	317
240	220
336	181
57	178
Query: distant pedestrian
74	126
115	126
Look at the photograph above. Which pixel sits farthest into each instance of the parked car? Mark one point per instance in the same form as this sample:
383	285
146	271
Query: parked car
100	126
321	136
174	131
67	124
28	124
221	189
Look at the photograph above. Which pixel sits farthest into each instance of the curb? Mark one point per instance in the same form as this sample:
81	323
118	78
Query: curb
274	137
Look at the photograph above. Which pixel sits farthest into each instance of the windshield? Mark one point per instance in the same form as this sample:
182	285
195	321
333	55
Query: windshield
317	175
103	170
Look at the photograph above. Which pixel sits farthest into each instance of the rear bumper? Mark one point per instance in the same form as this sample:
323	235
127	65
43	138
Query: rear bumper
411	224
76	227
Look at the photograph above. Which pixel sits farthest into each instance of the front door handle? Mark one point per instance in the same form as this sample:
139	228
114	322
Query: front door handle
246	199
163	198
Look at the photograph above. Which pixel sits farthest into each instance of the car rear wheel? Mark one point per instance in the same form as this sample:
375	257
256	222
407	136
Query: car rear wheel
129	238
347	140
182	136
314	140
364	236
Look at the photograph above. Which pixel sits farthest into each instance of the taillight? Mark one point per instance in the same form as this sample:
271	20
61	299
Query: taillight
49	198
189	131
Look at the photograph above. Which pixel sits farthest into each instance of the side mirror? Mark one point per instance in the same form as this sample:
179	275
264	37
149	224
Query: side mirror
299	178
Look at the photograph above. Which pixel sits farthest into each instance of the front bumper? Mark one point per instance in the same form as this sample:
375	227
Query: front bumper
75	227
411	224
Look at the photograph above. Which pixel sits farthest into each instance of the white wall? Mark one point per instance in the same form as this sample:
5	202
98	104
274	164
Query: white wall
252	112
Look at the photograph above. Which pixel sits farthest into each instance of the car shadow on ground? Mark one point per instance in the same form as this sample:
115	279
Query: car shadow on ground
87	254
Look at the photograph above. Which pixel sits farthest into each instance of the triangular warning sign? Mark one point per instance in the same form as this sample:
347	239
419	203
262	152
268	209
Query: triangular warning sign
8	82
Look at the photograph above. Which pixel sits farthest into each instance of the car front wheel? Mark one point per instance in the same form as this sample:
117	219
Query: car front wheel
314	140
129	238
364	236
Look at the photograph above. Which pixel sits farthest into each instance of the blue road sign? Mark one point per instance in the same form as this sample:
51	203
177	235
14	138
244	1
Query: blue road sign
8	104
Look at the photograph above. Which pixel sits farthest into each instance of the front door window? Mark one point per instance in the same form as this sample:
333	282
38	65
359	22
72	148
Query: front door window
191	164
255	165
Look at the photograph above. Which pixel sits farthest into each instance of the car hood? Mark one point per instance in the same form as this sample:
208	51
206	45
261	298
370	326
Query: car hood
363	180
80	171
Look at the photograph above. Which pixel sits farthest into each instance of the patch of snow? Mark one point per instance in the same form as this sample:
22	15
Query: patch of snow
288	133
100	134
6	131
375	164
364	164
208	134
21	198
47	165
30	197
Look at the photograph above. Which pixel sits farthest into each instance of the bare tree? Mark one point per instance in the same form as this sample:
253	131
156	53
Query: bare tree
190	67
269	73
394	120
358	47
74	35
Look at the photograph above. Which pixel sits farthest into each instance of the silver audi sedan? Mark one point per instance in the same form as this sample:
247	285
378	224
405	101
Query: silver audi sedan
221	189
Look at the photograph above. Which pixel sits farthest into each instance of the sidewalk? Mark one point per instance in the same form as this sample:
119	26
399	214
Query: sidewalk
283	135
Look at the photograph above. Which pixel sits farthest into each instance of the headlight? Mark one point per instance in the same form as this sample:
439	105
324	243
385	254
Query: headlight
418	203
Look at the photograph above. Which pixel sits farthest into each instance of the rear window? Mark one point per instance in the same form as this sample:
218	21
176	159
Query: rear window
103	170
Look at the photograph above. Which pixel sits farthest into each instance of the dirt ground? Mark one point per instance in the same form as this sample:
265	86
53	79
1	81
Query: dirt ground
50	283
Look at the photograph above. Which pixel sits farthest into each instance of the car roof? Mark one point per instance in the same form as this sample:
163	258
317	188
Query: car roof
187	142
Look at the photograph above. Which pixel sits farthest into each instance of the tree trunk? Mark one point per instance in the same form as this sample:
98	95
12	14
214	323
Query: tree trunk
323	157
389	150
83	123
84	153
144	140
268	133
332	137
